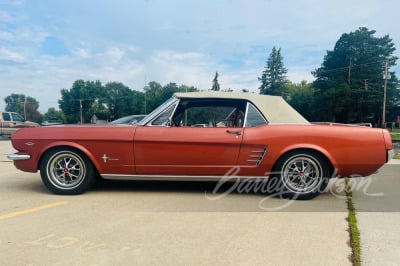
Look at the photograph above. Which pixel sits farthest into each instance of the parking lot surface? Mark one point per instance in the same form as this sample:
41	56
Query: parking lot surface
166	223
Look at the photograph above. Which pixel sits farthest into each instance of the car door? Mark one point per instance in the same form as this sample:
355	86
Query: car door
193	138
7	124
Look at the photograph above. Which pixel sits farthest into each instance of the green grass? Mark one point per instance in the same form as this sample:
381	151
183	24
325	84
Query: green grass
395	136
353	228
394	133
397	156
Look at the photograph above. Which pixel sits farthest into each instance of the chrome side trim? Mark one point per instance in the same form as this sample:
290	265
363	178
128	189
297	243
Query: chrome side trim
16	156
179	177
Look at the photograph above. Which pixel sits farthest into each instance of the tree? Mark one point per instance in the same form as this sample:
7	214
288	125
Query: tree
53	115
117	98
215	86
350	81
273	78
25	105
153	96
300	96
78	102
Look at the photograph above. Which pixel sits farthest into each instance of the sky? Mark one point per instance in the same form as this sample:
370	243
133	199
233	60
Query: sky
45	45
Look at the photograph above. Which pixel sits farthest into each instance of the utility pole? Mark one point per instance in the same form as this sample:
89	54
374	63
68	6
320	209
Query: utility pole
80	104
384	96
25	108
349	77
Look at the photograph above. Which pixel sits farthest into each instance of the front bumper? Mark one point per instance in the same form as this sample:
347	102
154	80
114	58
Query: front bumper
17	156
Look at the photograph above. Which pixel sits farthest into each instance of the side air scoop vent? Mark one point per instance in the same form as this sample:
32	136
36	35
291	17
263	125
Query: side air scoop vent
256	156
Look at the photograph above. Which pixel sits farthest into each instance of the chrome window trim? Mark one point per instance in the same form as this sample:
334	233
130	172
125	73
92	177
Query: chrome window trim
258	111
158	111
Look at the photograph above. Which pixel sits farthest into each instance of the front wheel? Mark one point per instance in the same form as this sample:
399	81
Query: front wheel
67	172
300	175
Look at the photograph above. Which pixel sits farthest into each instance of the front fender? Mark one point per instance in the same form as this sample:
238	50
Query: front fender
69	144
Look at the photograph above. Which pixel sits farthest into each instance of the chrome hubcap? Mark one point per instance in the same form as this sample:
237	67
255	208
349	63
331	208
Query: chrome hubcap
302	173
66	170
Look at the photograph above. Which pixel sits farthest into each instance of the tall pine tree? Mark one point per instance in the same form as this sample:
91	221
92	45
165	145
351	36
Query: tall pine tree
215	86
350	81
273	78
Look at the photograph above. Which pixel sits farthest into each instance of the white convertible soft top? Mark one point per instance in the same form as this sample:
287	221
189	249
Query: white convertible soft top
274	108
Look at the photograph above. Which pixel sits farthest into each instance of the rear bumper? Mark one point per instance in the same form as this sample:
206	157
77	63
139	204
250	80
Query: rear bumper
17	156
389	155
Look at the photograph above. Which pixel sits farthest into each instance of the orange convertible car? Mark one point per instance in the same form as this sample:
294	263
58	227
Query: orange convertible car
205	136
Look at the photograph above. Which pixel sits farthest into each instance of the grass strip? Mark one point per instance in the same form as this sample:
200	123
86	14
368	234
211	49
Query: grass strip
397	156
353	228
395	136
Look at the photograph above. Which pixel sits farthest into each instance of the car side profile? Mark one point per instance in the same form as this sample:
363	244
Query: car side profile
205	136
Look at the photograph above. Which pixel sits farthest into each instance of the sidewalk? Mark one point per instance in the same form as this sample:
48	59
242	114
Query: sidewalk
378	216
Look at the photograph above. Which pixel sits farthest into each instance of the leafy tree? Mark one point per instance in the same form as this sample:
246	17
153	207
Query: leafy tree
273	78
185	88
300	96
117	98
53	115
350	81
137	103
25	105
152	94
79	100
215	86
155	94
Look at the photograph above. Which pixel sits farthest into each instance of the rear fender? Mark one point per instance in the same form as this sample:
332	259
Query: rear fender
330	160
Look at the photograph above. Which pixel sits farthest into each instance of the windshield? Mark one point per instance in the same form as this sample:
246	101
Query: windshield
156	111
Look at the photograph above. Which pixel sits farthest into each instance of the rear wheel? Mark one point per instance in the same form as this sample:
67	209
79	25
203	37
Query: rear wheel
300	175
67	172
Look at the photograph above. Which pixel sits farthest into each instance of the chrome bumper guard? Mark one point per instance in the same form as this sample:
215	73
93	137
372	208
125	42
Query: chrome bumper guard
390	155
16	156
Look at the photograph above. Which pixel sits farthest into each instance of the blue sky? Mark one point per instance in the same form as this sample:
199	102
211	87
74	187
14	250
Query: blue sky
45	45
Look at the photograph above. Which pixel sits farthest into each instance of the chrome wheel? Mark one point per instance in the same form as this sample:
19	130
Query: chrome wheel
66	170
302	173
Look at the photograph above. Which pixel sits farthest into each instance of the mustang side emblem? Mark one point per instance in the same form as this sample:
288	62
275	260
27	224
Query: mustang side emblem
106	158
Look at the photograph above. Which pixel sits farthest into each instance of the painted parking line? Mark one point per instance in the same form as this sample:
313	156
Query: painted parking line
31	210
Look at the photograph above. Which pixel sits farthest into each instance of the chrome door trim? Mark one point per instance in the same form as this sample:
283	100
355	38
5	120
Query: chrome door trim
178	177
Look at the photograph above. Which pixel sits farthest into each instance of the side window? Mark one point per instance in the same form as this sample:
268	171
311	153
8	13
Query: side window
17	117
209	113
164	118
6	117
254	118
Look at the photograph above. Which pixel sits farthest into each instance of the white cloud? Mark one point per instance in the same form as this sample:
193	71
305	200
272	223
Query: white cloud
173	41
8	55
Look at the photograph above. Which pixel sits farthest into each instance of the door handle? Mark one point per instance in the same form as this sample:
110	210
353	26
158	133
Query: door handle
237	132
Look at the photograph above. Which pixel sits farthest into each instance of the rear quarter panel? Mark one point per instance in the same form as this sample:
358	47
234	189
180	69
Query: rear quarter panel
350	150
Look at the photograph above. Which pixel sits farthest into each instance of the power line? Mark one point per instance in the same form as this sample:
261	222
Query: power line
351	66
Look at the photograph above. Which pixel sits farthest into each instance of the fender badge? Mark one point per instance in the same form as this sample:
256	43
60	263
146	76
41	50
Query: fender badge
106	158
29	143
